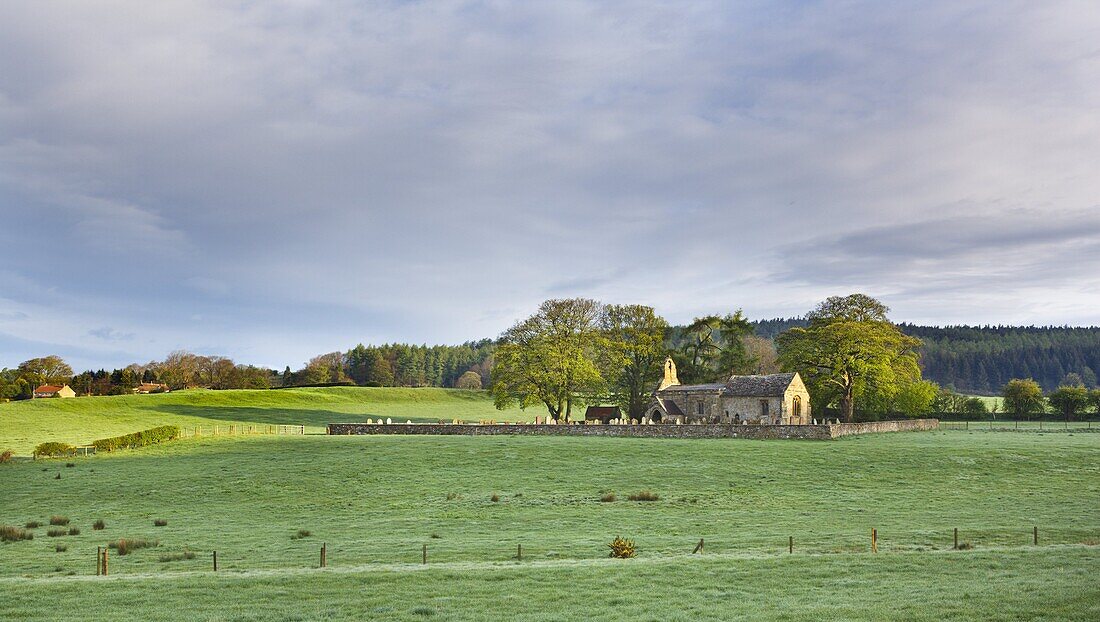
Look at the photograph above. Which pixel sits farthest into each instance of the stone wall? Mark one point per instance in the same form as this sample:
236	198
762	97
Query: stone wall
709	430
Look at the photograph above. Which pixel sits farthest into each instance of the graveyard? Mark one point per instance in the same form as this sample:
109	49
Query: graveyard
447	527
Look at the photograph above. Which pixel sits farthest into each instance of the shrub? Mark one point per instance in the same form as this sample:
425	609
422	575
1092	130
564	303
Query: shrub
33	524
302	533
180	556
495	498
608	498
74	531
59	520
61	548
160	522
622	548
6	456
54	532
644	495
125	546
14	534
99	525
151	436
54	450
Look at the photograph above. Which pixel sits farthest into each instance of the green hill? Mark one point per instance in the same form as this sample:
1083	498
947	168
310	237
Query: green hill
82	420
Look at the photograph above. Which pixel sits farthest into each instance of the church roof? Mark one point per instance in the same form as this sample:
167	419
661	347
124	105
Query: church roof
768	385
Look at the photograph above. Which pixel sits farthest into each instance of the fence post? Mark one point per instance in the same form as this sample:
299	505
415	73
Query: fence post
698	547
790	544
323	560
968	425
424	560
874	540
519	552
956	547
98	560
105	558
1035	535
215	561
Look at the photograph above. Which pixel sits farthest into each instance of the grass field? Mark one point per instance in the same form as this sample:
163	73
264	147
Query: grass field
25	424
377	500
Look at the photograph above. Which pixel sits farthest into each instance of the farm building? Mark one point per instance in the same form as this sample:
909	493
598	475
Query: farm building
53	390
151	387
771	399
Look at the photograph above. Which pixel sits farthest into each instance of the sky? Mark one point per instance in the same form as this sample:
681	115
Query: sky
274	180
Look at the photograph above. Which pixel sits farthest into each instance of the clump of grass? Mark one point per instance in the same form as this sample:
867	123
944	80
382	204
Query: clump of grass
125	546
302	533
644	495
495	498
423	611
59	520
160	522
58	475
54	532
33	524
435	536
180	556
965	546
451	496
9	533
607	497
622	548
61	548
70	464
74	531
99	525
6	456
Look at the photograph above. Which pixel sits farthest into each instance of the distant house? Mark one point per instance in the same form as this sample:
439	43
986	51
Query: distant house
151	387
53	390
603	414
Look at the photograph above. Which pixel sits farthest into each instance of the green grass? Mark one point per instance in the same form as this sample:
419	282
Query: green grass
376	501
82	420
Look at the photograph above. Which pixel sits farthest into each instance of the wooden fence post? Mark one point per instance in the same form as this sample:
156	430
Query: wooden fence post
424	559
215	561
1035	535
698	547
105	557
323	550
98	560
956	547
790	544
874	540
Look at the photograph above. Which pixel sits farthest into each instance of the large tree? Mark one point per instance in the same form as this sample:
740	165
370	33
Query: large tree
46	370
551	358
635	354
1023	397
713	348
849	349
1069	400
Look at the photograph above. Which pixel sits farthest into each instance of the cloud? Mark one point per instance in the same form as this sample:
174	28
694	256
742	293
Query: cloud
303	176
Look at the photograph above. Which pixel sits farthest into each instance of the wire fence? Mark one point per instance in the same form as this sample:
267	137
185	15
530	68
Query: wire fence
1022	426
240	429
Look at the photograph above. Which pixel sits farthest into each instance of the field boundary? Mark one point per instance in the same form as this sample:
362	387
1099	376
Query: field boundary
702	430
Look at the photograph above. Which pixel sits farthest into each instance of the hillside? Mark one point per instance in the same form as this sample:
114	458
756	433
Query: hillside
81	420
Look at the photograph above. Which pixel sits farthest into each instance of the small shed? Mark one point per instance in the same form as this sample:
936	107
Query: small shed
603	414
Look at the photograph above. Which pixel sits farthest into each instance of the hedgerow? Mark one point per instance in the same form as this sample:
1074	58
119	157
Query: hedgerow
54	450
151	436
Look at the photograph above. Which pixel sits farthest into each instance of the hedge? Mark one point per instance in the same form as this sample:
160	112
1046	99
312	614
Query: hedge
54	450
151	436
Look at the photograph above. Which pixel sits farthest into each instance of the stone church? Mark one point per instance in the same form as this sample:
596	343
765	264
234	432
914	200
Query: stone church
768	399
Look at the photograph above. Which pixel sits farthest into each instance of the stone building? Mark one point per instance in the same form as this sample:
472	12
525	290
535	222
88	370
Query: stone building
770	399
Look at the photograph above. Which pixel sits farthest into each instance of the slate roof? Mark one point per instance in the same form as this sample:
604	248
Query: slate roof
770	385
670	408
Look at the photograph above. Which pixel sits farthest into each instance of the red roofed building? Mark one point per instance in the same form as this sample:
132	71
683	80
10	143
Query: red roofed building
53	390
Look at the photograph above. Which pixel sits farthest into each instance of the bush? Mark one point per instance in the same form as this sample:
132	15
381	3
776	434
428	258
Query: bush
55	532
175	557
14	534
302	533
99	525
125	546
6	456
59	520
622	548
608	498
33	524
151	436
160	522
644	495
54	450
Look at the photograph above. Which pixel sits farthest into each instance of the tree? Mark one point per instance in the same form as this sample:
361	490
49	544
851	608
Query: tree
1023	397
1068	400
551	358
469	380
714	348
850	349
761	351
1094	401
914	399
381	373
635	354
46	370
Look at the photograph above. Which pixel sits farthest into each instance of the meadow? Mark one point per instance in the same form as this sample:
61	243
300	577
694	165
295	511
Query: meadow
82	420
266	503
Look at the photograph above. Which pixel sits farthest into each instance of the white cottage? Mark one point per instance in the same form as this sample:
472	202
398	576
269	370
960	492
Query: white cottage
771	399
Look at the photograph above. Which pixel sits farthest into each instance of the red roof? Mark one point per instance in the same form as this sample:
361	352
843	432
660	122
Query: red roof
48	388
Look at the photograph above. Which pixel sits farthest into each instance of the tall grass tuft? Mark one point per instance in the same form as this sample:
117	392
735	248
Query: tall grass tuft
61	548
33	524
6	456
608	497
9	533
99	525
180	556
644	495
495	498
74	531
302	533
59	520
160	522
55	532
125	546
